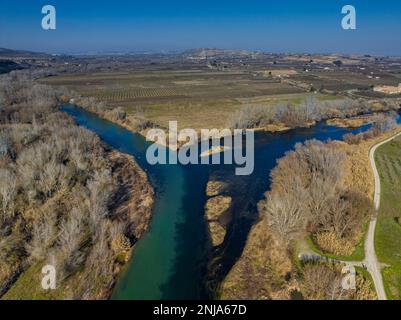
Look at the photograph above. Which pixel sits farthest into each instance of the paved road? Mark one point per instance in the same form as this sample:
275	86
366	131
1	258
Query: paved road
371	261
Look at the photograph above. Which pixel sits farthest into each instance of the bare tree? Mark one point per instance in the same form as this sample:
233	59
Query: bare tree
101	254
287	212
344	214
47	153
384	123
252	117
323	160
119	114
311	107
294	116
100	189
44	234
4	143
70	240
8	191
321	194
49	177
307	191
320	282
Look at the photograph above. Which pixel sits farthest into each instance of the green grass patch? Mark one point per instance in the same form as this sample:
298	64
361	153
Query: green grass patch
28	287
388	250
388	161
388	230
366	275
357	255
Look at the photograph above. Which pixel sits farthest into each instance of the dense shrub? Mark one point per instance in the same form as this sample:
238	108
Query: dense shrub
299	115
382	124
55	189
309	195
253	117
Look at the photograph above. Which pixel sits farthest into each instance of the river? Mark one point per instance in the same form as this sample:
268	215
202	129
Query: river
174	260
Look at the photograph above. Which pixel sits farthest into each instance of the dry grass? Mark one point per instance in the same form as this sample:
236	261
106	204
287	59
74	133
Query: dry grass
214	188
195	98
329	242
261	271
215	209
216	206
354	122
361	177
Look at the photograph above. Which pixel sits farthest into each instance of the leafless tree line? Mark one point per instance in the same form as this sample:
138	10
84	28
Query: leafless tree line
55	188
308	194
311	109
383	123
135	119
322	282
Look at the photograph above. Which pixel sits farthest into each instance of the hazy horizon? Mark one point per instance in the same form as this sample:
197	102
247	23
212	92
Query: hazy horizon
139	52
309	26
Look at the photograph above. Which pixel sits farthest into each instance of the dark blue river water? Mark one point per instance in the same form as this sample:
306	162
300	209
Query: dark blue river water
174	260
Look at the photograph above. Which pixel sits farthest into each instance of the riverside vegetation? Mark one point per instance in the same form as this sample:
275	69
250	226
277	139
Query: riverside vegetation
308	112
56	172
279	117
216	209
318	191
334	221
66	199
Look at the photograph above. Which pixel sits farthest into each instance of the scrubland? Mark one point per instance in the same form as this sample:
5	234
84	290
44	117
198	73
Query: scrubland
66	199
322	191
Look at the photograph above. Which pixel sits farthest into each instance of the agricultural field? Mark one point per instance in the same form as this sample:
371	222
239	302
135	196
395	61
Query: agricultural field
120	95
201	93
347	79
388	231
388	159
196	98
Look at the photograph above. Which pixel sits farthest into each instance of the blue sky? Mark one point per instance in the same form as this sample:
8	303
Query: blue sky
277	26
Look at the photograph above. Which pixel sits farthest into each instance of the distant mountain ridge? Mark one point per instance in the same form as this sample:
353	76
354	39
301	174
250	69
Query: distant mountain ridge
214	52
4	52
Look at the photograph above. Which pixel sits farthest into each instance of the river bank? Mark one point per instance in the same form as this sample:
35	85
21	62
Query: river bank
133	203
353	122
75	204
132	207
175	258
356	118
163	264
265	270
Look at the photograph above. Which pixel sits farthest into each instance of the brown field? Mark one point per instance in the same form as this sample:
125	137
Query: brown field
196	98
199	97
